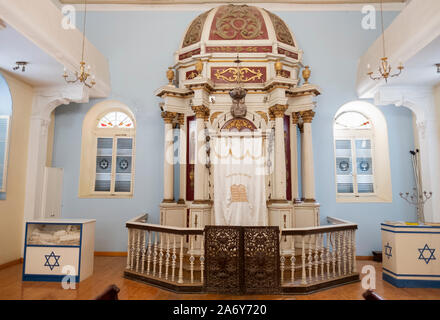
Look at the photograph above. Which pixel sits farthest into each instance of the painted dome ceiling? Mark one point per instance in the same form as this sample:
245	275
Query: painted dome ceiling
238	29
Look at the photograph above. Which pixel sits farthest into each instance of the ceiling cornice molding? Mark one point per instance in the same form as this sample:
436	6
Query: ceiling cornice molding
177	5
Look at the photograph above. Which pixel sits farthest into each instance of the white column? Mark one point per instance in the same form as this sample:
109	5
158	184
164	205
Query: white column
200	169
280	153
308	178
294	156
37	154
168	165
182	157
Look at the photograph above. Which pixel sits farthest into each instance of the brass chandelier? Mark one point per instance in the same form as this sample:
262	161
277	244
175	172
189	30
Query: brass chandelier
84	73
385	68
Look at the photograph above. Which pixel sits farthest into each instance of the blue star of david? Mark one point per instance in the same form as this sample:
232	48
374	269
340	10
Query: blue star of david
388	250
54	258
422	254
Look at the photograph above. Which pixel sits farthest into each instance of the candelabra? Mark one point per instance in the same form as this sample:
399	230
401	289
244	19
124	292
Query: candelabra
417	200
419	197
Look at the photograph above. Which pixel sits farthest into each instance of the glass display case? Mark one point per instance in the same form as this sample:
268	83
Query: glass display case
56	248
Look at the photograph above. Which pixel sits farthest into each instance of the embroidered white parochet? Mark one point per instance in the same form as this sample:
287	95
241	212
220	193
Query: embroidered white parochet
239	181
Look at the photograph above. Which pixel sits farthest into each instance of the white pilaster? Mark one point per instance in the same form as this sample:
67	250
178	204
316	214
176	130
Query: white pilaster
168	165
182	157
294	156
307	152
280	153
200	169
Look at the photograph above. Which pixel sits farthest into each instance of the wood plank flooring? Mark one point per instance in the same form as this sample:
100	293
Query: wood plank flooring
109	270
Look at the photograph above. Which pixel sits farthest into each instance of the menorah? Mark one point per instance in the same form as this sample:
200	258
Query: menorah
417	200
419	197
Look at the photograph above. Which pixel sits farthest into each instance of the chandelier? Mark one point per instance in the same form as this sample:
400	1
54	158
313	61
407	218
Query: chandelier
385	69
83	75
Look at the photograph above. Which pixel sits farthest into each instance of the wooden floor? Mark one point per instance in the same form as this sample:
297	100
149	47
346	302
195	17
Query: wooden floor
109	270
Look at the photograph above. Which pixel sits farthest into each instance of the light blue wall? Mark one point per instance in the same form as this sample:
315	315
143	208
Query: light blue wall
140	47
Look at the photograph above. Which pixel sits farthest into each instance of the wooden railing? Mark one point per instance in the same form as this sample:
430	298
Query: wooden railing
164	255
318	255
310	258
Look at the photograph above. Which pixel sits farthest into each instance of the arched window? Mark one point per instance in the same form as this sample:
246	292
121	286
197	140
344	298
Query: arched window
361	174
107	163
5	120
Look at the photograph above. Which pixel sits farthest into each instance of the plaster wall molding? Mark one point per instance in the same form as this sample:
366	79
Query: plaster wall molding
420	100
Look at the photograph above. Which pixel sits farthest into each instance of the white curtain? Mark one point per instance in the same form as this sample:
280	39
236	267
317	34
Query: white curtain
239	181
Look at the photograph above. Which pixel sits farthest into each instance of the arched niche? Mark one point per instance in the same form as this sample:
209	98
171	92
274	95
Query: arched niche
378	132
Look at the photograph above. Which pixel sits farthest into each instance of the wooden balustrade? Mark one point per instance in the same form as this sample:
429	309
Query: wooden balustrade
313	257
327	255
160	254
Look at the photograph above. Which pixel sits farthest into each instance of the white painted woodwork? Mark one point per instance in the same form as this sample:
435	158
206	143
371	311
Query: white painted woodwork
52	192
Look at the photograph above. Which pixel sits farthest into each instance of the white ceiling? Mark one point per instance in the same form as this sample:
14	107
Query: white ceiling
42	71
420	70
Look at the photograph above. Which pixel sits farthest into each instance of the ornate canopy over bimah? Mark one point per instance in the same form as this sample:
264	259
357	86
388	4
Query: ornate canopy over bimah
236	95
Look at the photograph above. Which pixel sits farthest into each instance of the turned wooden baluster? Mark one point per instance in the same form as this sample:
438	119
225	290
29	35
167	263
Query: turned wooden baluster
339	250
167	257
349	247
303	257
344	251
144	238
292	260
333	241
329	255
132	254
191	258
322	256
160	254
181	261
310	258
149	252
155	253
128	249
353	243
174	258
202	262
138	249
316	256
282	261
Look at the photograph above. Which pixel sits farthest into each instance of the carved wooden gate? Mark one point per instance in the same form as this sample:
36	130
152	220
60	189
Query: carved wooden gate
242	260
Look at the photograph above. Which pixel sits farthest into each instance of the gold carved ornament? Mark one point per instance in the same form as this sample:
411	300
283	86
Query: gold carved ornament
263	115
239	124
215	115
281	30
277	111
307	116
201	112
238	193
245	75
194	33
295	117
238	20
168	117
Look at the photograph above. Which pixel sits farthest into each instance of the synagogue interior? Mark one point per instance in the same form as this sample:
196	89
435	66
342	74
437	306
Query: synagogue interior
162	150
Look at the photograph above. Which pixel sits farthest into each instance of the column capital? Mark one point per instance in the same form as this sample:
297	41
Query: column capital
307	116
168	117
202	112
181	119
277	111
295	117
